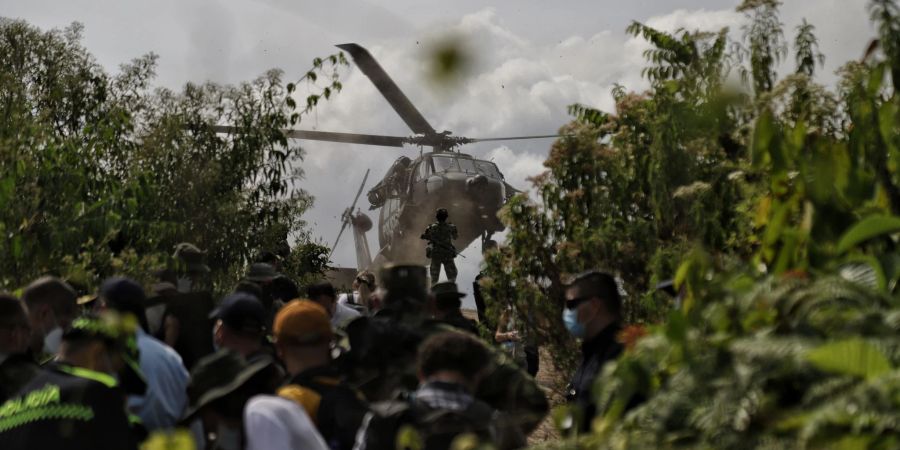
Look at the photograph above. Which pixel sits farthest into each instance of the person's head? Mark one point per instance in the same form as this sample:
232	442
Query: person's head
249	287
303	335
364	279
240	324
405	287
592	302
441	215
454	357
284	289
102	343
219	388
125	296
269	257
52	305
324	294
15	329
191	271
447	298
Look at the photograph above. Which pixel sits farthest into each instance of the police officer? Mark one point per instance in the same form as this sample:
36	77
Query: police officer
382	360
440	236
76	402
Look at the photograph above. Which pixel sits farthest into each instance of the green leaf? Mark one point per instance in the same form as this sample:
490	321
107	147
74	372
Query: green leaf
850	357
866	229
762	137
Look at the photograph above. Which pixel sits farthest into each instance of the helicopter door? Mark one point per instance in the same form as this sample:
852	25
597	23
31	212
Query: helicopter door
420	174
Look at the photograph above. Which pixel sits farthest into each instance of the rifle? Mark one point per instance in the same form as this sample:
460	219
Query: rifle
455	253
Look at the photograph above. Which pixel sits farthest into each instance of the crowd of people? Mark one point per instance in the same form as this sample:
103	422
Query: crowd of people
270	367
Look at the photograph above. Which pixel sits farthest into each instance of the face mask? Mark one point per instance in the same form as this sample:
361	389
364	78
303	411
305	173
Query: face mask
52	340
228	438
570	319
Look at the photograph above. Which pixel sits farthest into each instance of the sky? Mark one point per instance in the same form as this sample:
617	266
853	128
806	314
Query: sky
531	59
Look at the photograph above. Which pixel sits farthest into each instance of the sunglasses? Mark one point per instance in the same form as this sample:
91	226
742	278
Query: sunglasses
573	303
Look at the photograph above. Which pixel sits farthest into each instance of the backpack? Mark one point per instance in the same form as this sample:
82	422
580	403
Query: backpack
409	424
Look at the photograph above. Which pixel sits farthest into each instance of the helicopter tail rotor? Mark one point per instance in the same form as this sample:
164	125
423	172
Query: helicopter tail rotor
347	216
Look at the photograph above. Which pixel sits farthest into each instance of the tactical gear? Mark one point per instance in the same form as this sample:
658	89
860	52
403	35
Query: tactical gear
440	250
436	428
335	408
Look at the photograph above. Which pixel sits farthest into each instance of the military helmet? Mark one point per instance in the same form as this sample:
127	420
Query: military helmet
442	214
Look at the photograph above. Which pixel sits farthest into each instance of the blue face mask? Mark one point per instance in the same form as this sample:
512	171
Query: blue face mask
570	319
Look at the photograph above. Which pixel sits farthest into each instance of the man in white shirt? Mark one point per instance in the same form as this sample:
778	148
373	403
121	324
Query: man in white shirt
323	293
272	422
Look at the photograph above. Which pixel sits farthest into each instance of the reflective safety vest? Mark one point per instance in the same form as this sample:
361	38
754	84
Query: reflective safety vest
67	407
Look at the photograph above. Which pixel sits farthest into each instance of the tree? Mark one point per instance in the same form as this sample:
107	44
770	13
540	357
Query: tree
101	174
787	258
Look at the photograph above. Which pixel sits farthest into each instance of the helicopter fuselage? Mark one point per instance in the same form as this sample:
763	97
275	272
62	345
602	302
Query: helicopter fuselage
471	190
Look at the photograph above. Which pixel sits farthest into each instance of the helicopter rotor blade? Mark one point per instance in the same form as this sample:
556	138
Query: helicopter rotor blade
343	226
361	186
328	136
514	138
388	89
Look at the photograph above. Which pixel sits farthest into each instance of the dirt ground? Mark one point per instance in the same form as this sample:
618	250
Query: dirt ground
553	384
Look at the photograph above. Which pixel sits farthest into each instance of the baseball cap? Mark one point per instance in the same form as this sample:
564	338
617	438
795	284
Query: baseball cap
302	322
241	311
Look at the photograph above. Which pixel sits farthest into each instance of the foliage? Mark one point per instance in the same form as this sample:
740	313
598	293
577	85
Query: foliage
774	207
103	174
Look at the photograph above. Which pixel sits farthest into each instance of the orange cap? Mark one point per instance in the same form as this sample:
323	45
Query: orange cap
302	322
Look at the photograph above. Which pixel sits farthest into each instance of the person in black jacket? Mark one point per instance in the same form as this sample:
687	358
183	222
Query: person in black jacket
75	402
593	314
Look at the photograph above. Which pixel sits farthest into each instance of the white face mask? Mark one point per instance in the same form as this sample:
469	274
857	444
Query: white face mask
52	340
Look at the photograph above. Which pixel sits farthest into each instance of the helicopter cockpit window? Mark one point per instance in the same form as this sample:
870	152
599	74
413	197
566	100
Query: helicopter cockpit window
467	165
488	168
444	164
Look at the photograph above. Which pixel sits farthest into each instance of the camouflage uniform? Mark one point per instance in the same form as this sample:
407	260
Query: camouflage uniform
440	236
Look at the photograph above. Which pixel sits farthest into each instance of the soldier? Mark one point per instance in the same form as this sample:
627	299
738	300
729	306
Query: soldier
440	236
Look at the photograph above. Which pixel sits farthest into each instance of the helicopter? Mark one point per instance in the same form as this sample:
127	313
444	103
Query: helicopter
471	189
